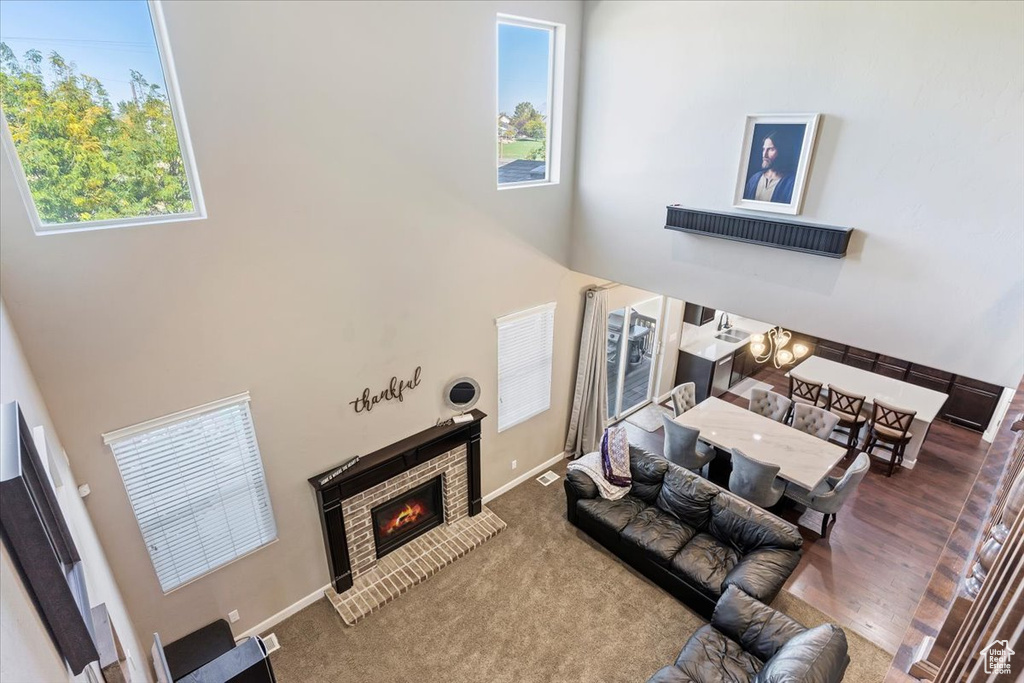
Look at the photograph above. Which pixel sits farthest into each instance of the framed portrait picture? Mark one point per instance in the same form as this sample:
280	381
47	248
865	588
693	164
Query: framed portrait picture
775	159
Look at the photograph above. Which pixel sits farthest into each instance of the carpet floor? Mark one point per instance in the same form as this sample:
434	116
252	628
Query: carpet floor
539	602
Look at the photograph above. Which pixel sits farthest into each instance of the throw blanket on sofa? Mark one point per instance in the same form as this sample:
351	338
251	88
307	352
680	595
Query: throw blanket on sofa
615	456
591	465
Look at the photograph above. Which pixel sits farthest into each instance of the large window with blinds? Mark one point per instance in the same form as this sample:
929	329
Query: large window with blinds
525	342
196	484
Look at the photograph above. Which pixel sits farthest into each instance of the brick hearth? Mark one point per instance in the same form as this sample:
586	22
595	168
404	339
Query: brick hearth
413	563
377	582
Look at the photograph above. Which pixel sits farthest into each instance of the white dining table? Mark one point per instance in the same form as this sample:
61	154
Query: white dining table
926	402
802	458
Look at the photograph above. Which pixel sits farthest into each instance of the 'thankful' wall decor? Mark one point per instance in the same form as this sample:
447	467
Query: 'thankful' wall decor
395	390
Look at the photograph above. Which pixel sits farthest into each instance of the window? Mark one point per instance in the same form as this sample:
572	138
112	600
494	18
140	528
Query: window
195	481
525	342
91	115
529	109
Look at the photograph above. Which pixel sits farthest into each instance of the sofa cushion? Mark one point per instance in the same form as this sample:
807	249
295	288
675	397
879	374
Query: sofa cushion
705	561
687	496
615	514
710	657
818	654
658	534
747	527
647	471
759	629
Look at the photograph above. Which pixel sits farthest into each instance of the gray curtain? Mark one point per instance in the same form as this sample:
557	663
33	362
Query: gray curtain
590	401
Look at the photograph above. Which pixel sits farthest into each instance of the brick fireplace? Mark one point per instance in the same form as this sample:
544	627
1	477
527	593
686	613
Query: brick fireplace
402	513
449	468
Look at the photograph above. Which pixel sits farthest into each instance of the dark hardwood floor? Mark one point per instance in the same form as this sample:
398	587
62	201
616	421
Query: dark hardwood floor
873	569
960	549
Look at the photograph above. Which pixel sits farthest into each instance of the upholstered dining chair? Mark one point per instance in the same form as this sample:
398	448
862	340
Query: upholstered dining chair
848	407
803	391
755	481
684	397
769	404
830	495
889	429
814	421
683	448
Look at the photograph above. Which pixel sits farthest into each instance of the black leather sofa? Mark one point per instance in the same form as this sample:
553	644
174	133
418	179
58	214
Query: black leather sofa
747	641
686	534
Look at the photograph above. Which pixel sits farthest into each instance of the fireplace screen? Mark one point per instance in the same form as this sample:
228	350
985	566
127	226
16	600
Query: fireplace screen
407	516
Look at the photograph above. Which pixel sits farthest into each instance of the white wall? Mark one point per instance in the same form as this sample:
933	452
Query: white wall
920	151
26	651
347	156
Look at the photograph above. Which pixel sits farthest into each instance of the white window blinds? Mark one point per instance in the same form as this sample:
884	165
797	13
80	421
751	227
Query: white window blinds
195	481
525	342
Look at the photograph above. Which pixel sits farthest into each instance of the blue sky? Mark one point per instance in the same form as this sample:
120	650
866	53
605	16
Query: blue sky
522	67
104	39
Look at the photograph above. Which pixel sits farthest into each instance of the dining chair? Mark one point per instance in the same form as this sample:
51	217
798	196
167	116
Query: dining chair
814	421
755	481
768	403
803	391
683	448
829	496
849	408
684	397
889	429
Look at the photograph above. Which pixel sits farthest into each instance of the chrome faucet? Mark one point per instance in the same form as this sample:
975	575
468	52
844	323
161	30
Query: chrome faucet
723	322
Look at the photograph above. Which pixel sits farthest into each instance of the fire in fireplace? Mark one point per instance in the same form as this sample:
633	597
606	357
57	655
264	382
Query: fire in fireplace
407	516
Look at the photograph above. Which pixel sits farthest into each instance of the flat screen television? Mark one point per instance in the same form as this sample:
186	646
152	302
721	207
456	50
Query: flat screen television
34	531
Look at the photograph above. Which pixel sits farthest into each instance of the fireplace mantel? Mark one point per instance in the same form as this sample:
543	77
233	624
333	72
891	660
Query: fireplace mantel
383	464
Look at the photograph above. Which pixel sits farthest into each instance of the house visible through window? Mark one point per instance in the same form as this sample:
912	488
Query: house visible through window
195	481
525	343
91	115
527	101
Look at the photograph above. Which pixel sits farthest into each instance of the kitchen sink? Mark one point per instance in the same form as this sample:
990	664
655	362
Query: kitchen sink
733	336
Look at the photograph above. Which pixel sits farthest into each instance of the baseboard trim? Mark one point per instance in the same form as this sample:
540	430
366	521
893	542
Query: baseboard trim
523	477
283	614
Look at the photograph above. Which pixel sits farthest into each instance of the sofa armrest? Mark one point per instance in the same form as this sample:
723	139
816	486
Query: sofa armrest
577	486
758	628
762	573
583	486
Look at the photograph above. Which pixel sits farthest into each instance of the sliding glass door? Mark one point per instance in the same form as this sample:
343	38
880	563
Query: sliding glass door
632	347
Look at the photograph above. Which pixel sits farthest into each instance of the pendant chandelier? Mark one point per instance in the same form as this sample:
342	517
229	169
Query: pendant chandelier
773	346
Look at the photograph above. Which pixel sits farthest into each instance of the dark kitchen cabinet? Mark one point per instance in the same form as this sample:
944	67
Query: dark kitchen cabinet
859	358
891	367
695	314
929	378
971	403
830	350
710	378
742	365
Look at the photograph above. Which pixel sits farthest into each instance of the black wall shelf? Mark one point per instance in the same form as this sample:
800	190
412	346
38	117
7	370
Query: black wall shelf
822	240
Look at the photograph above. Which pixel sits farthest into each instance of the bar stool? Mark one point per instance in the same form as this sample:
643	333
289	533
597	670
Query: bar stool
847	407
802	391
890	429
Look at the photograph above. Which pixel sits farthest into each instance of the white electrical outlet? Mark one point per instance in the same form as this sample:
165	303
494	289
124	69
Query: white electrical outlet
515	464
233	616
